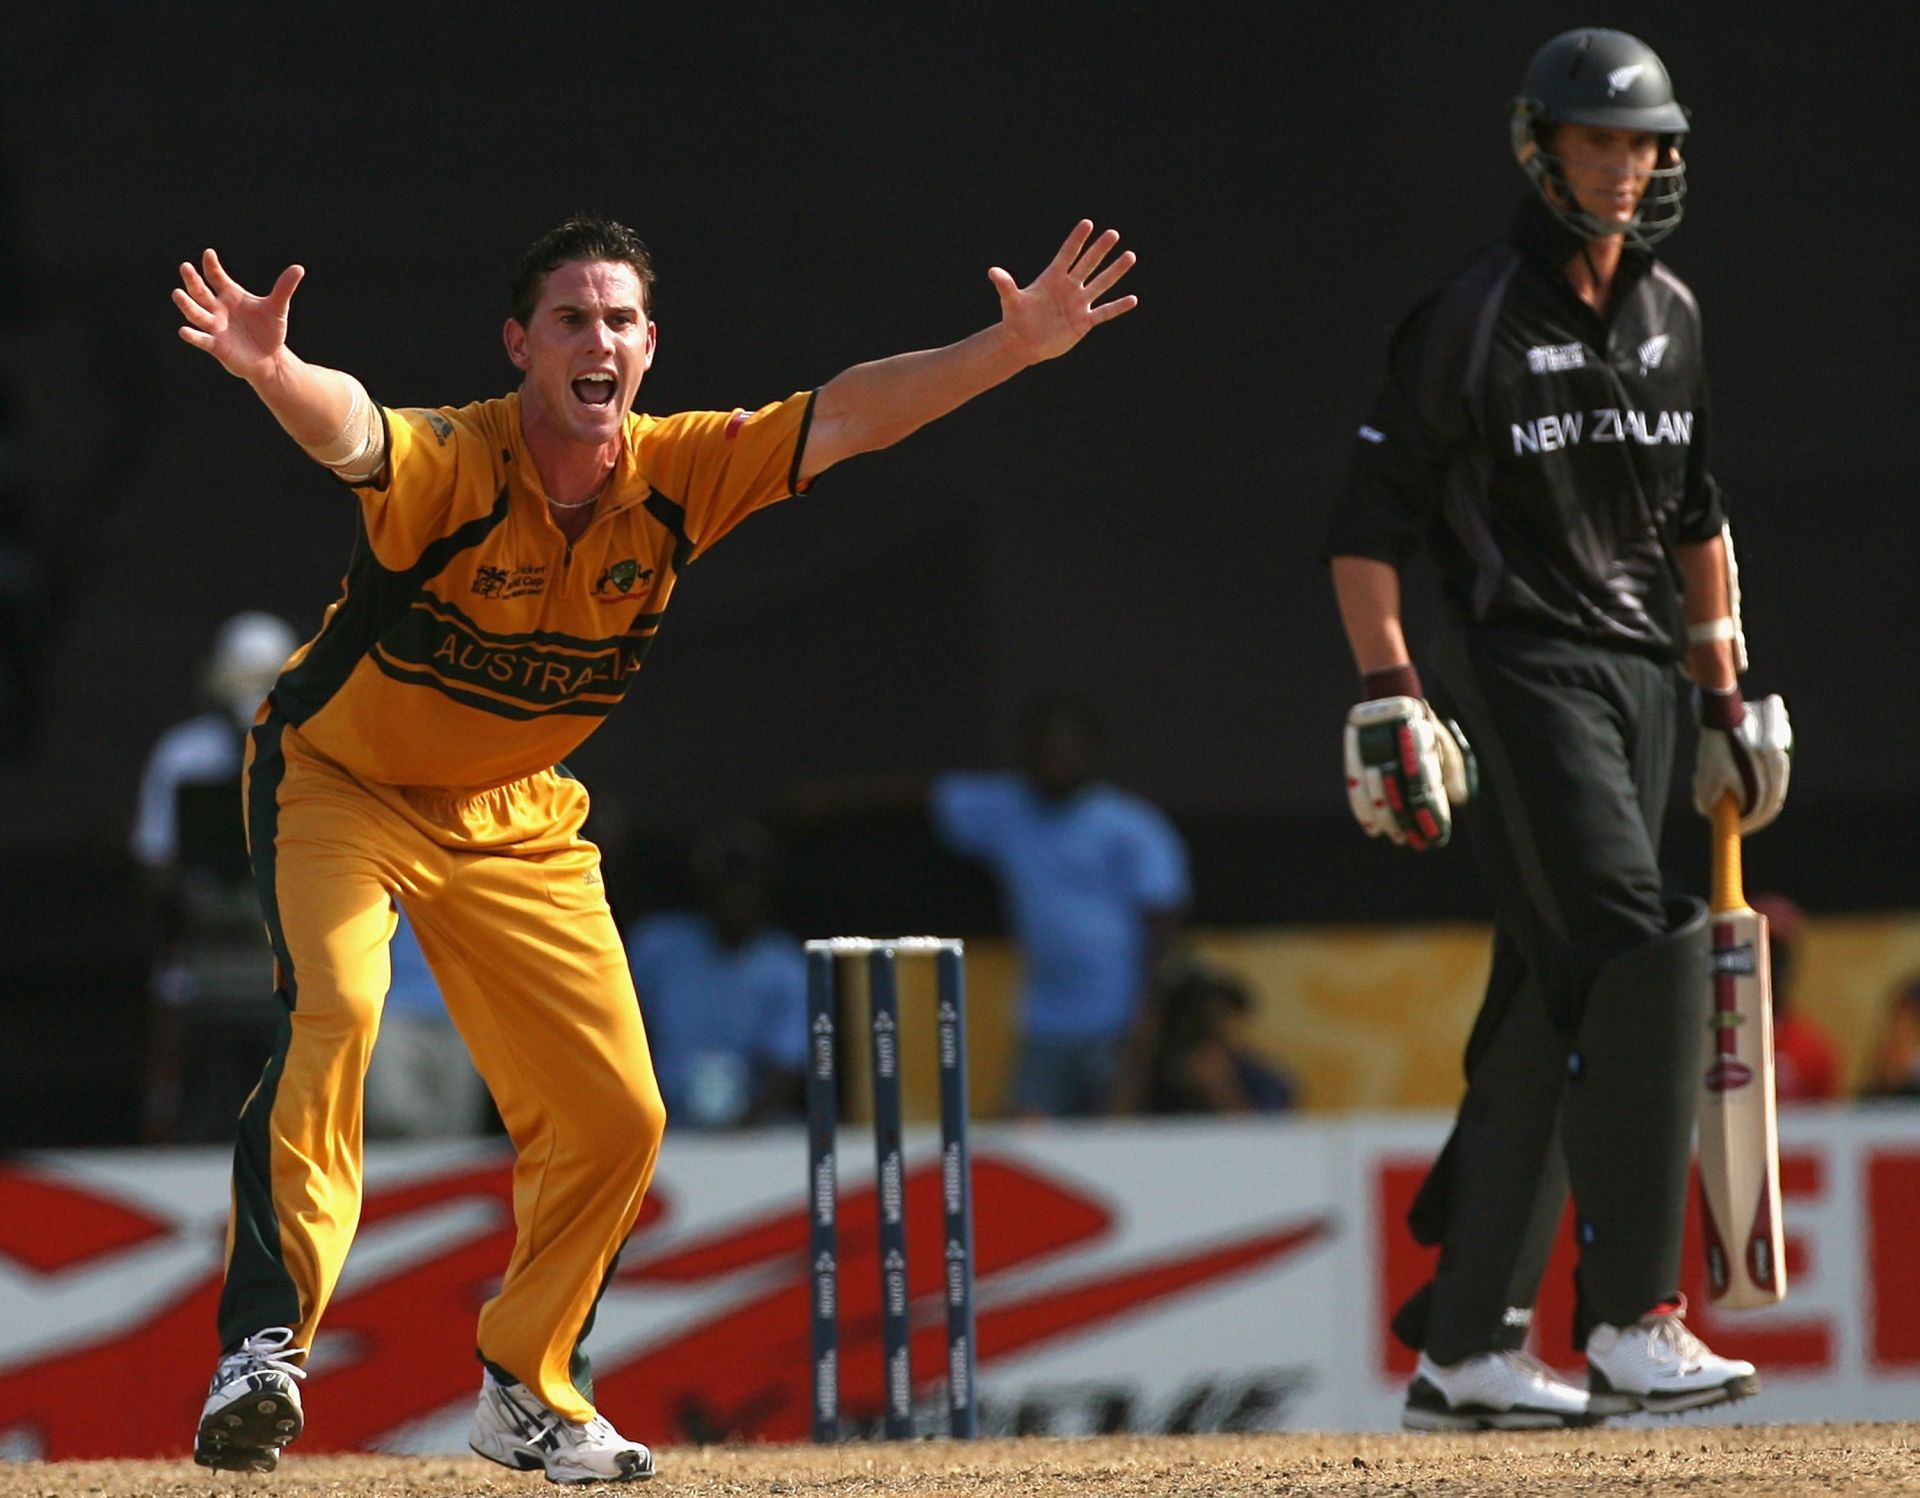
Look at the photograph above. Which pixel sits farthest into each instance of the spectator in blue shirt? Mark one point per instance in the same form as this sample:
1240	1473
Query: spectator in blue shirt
723	991
1094	881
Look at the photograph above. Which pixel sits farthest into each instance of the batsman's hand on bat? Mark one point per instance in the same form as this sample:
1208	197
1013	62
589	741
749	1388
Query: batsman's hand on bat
246	333
1062	304
1407	769
1745	751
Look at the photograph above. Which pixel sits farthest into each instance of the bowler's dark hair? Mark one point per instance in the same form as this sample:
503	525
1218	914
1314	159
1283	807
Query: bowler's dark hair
585	236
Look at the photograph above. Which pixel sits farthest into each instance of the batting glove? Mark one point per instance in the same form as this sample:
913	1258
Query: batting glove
1407	769
1746	751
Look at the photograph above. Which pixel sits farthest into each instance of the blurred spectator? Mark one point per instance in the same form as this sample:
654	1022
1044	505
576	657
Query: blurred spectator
1197	1063
213	1021
1094	881
1804	1066
212	1024
1895	1067
420	1081
247	654
723	991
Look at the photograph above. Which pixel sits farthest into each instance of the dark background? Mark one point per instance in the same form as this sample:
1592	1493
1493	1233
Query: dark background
824	184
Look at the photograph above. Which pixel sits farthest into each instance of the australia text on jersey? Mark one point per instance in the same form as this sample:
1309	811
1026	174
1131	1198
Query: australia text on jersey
434	644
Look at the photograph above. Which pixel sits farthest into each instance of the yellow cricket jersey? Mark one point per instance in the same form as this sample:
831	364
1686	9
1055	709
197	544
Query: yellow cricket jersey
473	645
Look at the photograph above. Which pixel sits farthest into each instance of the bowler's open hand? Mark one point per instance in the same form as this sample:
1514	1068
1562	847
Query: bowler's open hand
1063	303
246	333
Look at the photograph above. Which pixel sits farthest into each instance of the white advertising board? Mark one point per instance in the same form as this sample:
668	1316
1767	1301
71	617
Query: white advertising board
1163	1276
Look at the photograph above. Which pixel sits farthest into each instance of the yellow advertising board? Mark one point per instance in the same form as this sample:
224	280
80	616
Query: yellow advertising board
1376	1017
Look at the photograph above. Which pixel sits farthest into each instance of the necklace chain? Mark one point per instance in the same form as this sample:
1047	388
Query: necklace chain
581	504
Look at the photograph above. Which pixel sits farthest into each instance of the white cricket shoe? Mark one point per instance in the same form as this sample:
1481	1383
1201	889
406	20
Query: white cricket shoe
1659	1366
253	1405
516	1430
1494	1391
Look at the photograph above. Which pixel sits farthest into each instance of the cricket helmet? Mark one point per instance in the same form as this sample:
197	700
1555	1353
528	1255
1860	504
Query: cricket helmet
1592	76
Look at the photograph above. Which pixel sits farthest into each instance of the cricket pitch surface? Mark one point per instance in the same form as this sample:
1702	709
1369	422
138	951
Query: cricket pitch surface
1720	1460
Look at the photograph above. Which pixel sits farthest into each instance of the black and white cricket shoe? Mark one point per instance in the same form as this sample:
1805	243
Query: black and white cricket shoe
253	1405
516	1430
1658	1365
1494	1391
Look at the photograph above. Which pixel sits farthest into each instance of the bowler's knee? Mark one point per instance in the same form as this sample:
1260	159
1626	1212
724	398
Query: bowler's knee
346	1011
627	1131
648	1111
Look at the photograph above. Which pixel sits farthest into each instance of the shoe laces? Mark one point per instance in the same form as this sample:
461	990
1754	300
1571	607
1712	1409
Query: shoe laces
271	1348
1671	1338
599	1429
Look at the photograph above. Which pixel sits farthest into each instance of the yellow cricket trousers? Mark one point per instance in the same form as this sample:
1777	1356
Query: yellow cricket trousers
507	900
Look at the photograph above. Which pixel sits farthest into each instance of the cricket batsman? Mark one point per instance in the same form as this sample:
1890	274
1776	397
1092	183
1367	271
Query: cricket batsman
511	566
1542	436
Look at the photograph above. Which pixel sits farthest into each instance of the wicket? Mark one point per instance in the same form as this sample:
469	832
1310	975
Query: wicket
955	1175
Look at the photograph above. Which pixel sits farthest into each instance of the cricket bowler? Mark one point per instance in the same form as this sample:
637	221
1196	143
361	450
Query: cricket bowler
512	562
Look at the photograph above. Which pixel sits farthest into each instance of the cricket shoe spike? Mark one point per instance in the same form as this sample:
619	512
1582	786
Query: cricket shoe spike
1494	1391
1660	1366
516	1430
253	1404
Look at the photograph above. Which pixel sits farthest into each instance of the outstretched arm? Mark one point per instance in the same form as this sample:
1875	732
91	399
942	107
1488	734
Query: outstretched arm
874	405
326	411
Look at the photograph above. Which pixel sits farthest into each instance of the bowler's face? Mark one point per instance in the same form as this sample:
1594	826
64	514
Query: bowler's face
584	351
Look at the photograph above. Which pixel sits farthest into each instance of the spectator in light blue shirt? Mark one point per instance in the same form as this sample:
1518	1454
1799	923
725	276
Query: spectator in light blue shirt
1094	881
724	993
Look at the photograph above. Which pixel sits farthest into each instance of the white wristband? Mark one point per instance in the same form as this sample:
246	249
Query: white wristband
1722	628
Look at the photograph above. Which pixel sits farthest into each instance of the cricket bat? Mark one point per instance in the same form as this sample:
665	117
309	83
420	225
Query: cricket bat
1739	1132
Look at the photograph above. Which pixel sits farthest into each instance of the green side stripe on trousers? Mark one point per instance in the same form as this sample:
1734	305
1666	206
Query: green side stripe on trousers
259	1292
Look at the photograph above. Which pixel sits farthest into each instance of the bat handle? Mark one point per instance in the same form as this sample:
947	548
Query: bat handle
1728	890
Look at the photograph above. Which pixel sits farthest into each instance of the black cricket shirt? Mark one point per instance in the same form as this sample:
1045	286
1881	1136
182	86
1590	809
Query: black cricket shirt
1549	457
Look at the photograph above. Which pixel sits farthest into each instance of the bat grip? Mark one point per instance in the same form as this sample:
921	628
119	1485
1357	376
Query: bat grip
1728	890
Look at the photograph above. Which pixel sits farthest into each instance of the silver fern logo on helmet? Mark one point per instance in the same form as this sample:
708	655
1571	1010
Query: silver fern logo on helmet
1621	79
